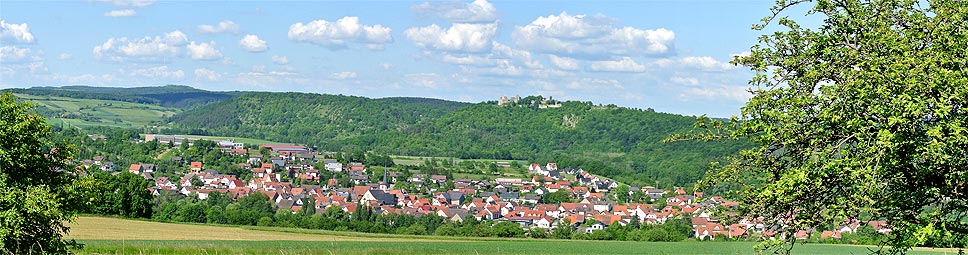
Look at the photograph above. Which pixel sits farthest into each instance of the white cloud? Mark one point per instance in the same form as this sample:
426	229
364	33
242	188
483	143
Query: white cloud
38	68
157	72
505	68
706	63
741	54
121	13
280	60
501	60
523	57
15	60
202	73
471	59
459	37
564	63
203	51
65	56
252	43
477	11
128	3
15	33
88	79
703	63
226	26
11	54
386	66
341	33
590	84
685	80
343	75
625	64
426	80
735	93
263	79
146	49
591	36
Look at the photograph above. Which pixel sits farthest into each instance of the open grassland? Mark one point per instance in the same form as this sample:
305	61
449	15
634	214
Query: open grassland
92	112
415	160
117	236
247	141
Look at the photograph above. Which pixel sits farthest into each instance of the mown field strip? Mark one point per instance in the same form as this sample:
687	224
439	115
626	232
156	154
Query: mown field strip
105	235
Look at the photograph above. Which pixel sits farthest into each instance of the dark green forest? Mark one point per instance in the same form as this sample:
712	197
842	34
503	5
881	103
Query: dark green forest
617	142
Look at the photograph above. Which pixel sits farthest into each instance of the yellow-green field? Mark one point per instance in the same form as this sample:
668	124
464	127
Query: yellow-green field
100	112
102	235
247	141
415	160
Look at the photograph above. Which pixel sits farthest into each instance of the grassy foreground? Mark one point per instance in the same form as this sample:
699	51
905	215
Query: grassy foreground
118	236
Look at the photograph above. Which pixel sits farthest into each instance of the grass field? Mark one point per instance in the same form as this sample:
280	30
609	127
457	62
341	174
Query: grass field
117	236
93	112
414	160
246	141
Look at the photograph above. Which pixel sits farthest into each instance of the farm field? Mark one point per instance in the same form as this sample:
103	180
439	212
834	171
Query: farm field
247	141
103	235
415	160
93	112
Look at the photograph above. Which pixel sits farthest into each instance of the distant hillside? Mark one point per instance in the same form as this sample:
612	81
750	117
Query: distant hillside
85	113
309	118
430	102
169	96
616	142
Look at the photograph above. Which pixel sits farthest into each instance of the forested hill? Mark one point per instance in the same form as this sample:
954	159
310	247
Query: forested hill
312	119
170	96
616	142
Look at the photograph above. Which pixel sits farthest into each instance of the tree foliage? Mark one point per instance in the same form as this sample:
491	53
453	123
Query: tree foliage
36	183
124	194
862	118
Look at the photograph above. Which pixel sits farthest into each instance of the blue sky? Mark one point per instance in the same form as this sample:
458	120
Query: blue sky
667	55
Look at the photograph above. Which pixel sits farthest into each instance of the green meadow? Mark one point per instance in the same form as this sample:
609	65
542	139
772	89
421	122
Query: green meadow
85	113
102	235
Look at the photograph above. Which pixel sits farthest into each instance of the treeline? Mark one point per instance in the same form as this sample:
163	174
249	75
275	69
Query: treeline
620	143
257	210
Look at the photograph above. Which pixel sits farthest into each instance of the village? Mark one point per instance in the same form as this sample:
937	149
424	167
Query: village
292	175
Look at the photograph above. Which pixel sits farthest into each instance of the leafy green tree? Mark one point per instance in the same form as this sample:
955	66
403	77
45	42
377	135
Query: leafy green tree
507	229
622	193
36	183
563	230
865	116
557	197
135	197
265	221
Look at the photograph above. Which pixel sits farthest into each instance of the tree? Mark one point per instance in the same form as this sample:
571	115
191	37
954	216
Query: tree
563	230
865	117
557	197
36	182
622	193
507	229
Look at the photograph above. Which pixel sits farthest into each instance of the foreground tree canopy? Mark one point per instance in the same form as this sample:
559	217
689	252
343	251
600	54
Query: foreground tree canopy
862	118
35	183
